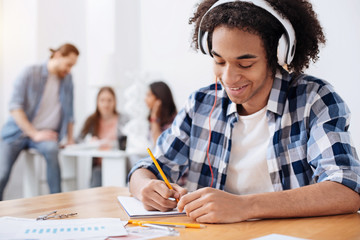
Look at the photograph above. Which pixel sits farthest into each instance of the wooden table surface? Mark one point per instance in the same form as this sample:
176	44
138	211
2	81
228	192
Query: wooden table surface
102	202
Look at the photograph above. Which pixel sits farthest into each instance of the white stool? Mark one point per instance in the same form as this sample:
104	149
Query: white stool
34	181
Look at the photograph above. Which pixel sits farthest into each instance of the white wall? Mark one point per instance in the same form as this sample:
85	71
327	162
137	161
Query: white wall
17	40
165	47
1	57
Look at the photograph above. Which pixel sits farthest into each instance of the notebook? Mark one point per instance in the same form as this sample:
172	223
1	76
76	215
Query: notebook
135	209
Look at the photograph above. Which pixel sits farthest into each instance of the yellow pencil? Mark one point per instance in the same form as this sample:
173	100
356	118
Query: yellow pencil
160	171
168	224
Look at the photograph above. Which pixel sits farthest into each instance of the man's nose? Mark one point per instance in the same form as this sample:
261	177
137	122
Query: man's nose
230	75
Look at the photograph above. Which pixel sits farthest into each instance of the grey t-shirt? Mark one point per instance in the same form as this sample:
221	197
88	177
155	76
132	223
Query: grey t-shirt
48	115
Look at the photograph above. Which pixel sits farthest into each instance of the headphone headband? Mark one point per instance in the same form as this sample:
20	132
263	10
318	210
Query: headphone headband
287	42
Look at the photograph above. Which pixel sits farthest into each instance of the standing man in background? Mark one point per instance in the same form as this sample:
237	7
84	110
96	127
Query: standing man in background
41	109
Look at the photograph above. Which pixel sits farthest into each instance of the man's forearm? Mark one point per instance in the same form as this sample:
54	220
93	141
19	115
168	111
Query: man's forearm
325	198
70	133
23	122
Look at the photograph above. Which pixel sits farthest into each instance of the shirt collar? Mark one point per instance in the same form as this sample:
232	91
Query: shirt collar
44	70
231	106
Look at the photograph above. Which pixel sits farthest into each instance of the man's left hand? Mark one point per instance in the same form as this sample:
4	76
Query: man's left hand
209	205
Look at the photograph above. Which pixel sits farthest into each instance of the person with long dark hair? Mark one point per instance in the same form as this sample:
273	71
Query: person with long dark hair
104	125
162	107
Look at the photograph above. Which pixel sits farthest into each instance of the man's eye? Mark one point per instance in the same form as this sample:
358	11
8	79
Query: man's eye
247	66
219	63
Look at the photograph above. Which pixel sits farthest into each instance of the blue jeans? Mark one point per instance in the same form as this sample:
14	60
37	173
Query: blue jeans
10	151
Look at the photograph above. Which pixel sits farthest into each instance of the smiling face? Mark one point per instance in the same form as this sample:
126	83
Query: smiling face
241	66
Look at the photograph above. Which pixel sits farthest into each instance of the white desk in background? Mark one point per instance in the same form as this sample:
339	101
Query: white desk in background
76	168
113	168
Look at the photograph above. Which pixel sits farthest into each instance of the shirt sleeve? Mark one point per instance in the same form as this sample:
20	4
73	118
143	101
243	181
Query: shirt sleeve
330	148
71	100
172	147
17	99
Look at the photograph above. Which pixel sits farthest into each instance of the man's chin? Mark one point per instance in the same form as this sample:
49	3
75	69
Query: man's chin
61	75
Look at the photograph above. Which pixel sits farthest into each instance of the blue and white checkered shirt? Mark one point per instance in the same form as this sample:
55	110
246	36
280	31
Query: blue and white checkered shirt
308	125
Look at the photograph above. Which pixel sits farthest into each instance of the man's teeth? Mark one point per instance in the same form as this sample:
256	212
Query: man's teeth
234	89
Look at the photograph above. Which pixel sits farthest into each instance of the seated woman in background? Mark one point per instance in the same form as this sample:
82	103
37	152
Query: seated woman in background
162	108
104	125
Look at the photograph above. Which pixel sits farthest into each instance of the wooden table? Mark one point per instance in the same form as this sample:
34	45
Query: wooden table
102	202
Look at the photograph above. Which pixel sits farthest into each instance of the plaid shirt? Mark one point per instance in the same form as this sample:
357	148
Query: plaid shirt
308	125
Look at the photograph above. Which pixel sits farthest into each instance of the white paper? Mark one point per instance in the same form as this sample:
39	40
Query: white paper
23	228
278	237
135	209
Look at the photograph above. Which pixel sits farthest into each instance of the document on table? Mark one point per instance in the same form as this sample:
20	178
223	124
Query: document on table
135	209
278	237
24	228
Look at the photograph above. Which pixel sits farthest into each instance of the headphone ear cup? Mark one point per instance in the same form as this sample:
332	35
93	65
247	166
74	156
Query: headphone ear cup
204	46
282	50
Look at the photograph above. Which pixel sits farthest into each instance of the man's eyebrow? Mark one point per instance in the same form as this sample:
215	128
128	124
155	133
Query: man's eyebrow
245	56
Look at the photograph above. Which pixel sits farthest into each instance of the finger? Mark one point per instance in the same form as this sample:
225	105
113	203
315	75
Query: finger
50	137
206	217
188	198
165	192
55	134
157	195
162	204
157	202
182	191
196	209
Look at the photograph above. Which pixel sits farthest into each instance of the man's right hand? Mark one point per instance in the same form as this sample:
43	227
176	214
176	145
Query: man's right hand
25	125
155	195
152	192
44	135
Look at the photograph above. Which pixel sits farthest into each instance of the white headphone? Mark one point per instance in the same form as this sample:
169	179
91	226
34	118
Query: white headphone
287	42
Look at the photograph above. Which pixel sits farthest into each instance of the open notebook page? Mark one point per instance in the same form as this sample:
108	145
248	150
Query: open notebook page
135	209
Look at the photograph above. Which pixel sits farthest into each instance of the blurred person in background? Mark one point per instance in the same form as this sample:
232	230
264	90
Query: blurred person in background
104	125
41	114
162	108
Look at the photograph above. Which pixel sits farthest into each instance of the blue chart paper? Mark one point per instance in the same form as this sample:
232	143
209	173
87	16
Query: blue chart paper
21	228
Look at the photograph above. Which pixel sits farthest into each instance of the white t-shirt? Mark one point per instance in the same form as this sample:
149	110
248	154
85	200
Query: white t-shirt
248	171
48	115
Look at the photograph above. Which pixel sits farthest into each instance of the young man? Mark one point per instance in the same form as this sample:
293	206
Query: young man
280	145
41	114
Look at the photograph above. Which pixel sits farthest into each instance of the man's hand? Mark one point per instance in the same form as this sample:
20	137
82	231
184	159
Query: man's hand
155	195
44	135
209	205
152	192
70	141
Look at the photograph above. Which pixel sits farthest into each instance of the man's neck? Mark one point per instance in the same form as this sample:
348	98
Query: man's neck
51	67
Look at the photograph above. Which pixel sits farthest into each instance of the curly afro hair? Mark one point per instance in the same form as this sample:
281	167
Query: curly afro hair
248	17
